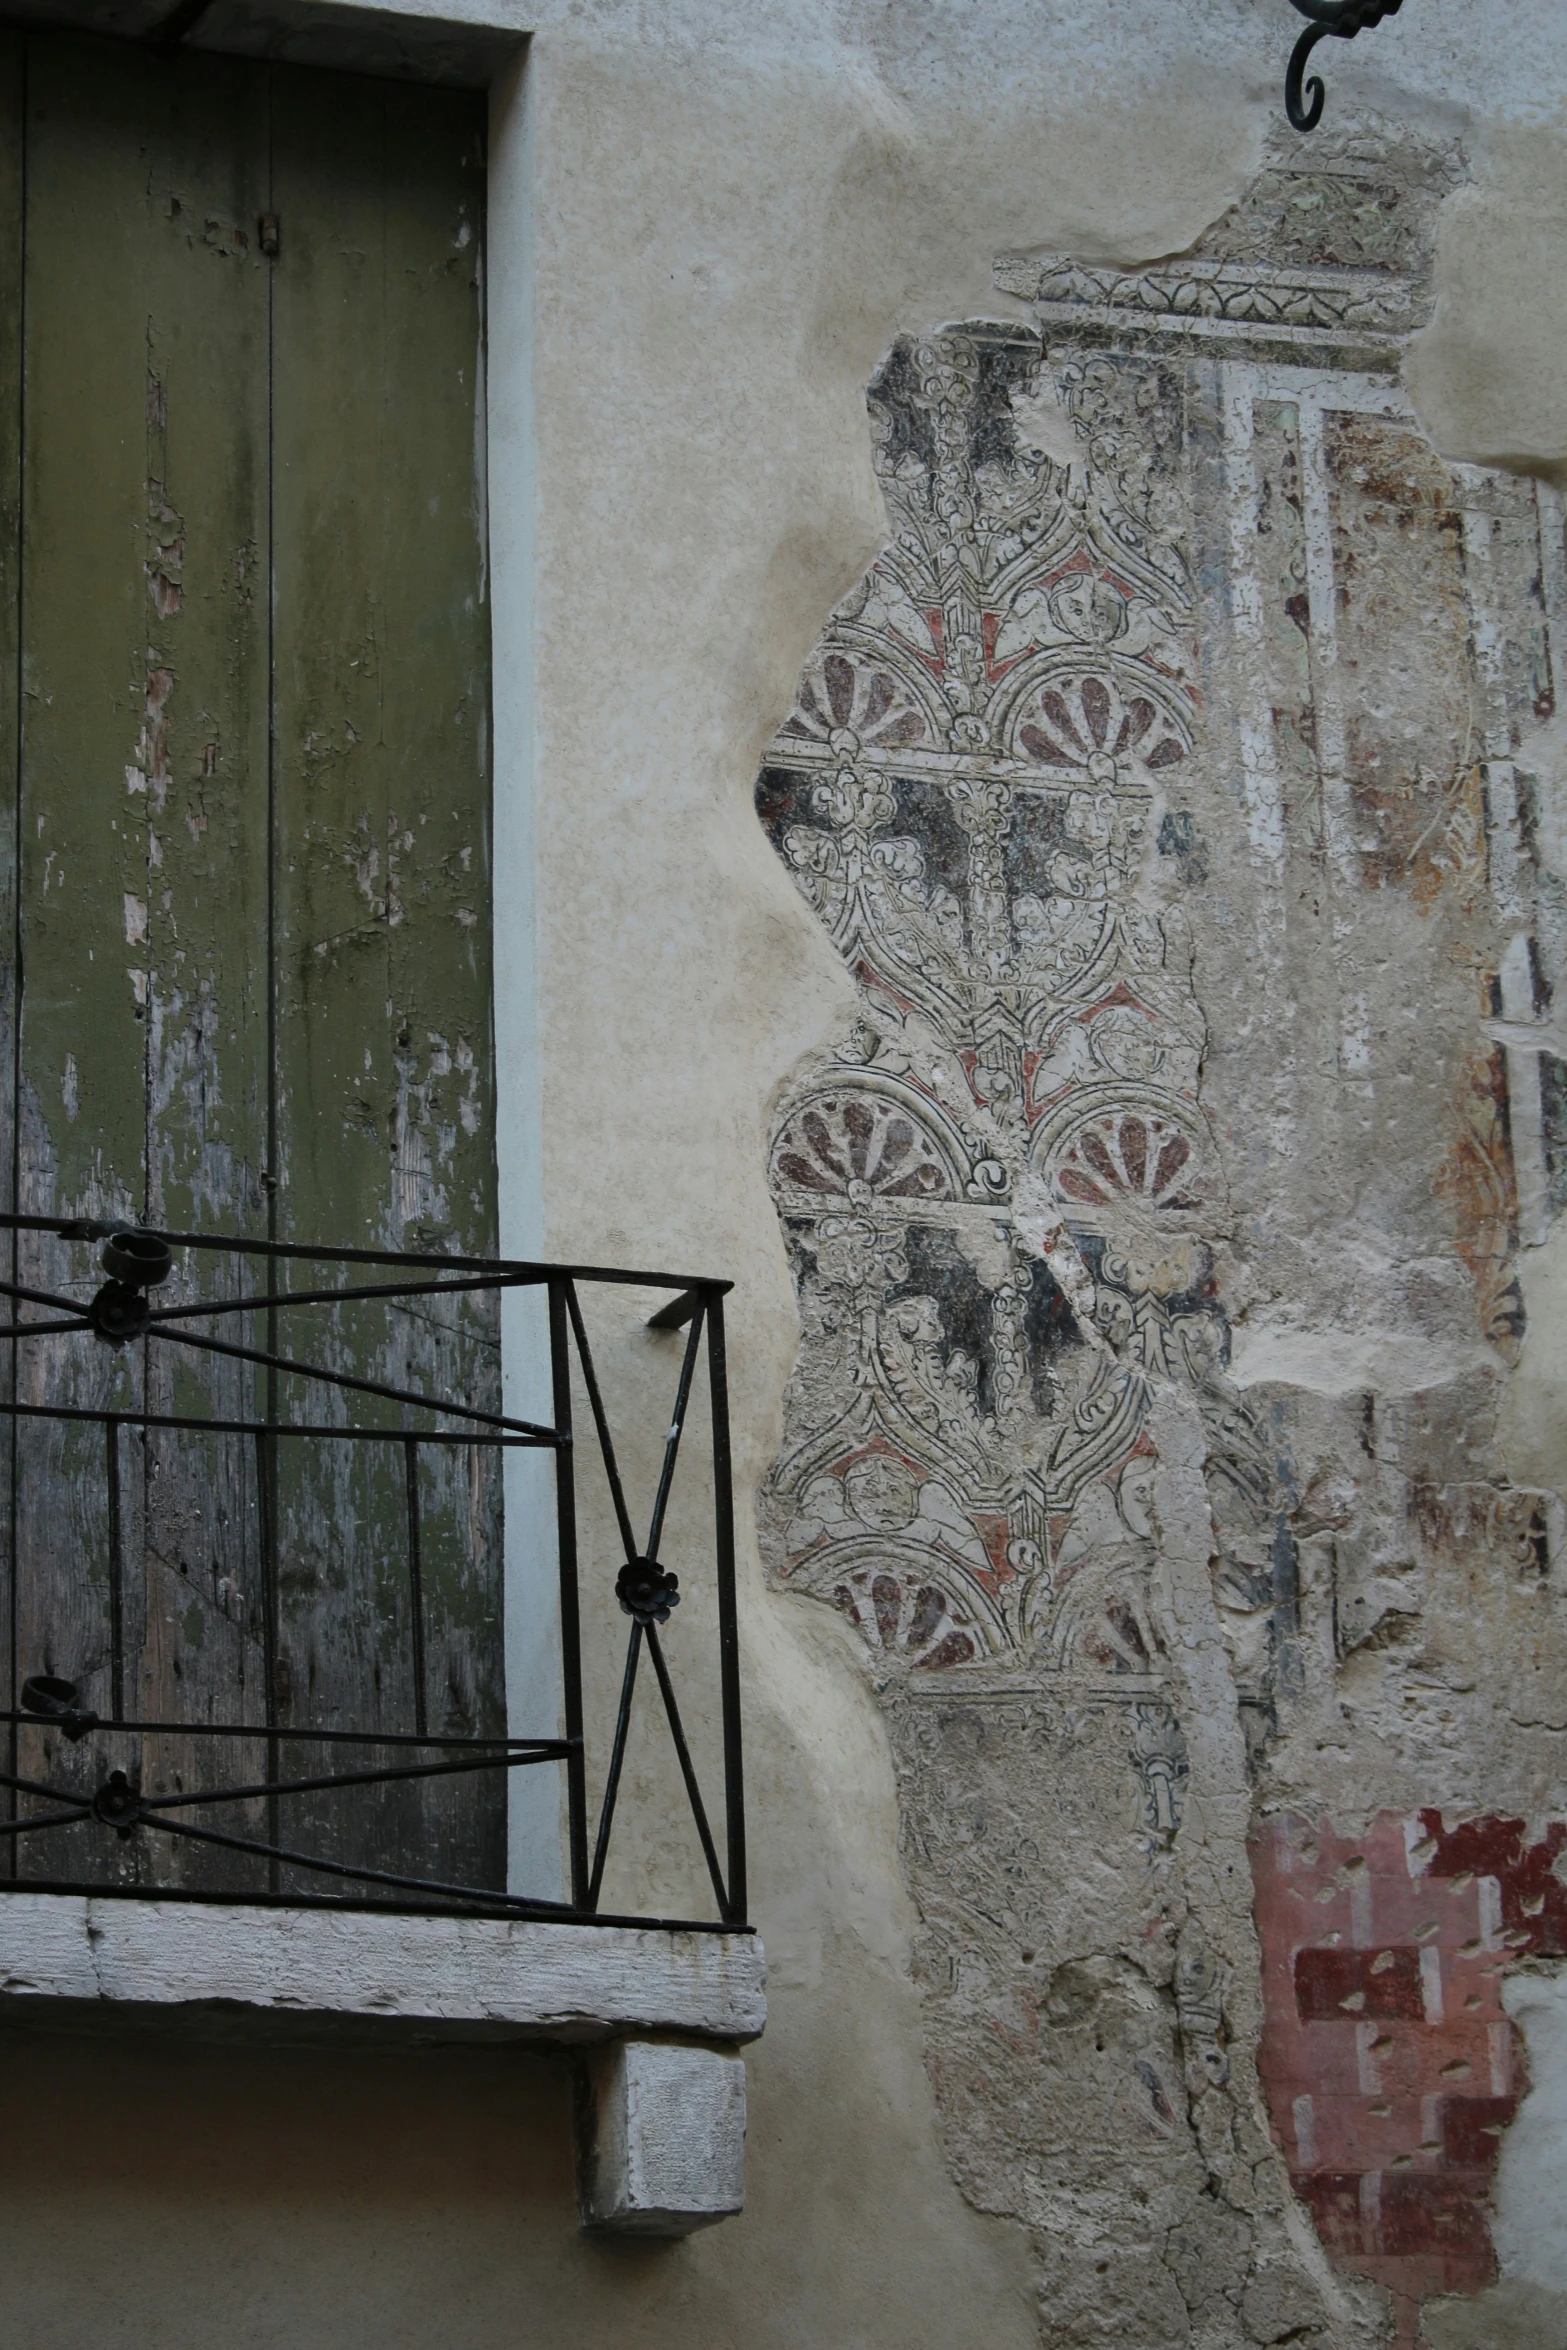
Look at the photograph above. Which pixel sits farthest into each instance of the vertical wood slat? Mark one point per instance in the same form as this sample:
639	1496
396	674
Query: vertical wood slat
206	290
80	1083
13	192
385	1095
415	1586
84	834
143	922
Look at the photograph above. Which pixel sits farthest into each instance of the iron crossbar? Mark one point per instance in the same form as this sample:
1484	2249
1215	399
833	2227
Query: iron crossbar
72	1710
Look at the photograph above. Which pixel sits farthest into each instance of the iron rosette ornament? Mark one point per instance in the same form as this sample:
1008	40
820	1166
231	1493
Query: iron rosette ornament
647	1592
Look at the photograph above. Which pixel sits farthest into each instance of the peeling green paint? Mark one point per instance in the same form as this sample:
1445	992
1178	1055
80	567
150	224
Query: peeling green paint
250	630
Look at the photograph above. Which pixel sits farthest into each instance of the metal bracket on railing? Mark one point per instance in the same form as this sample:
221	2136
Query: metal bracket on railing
648	1591
118	1805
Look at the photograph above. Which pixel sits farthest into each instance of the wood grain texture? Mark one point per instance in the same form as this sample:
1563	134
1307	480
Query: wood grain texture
206	293
384	1110
250	622
13	101
82	843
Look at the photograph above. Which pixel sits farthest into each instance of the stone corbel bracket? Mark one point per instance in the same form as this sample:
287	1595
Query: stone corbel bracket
660	2137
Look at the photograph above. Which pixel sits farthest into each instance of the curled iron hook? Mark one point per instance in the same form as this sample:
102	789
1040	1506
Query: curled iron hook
1340	19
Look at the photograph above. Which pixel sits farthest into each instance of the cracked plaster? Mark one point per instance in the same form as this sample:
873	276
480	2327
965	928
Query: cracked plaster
1170	786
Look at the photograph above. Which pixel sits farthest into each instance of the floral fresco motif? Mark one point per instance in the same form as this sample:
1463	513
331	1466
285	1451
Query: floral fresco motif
969	792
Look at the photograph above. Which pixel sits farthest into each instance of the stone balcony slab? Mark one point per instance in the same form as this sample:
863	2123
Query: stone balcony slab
275	1972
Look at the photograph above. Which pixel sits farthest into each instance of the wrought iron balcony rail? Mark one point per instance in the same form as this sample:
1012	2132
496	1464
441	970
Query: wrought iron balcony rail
246	1433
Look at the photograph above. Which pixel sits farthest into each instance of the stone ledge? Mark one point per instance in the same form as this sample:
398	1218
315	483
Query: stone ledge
447	43
68	1958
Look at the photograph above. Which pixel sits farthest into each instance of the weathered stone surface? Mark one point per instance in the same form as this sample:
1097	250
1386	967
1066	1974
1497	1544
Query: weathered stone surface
517	1980
661	2138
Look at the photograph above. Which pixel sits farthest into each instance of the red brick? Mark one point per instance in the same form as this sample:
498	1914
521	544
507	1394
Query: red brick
1333	2199
1388	2111
1471	2129
1385	1984
1526	1873
1440	2212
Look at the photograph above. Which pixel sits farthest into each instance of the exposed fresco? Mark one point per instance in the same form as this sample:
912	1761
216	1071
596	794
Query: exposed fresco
1189	680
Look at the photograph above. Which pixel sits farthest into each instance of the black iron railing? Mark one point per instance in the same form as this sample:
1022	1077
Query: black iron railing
172	1416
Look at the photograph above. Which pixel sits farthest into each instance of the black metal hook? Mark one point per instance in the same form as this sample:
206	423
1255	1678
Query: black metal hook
54	1701
135	1262
1339	20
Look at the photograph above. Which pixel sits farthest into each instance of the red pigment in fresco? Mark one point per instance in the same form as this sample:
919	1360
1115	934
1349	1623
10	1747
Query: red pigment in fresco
1390	2065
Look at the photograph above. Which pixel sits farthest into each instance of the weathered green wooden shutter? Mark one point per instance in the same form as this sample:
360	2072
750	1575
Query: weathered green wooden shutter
244	859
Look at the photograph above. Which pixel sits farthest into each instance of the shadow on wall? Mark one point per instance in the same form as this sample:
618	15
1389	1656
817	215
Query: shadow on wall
302	2195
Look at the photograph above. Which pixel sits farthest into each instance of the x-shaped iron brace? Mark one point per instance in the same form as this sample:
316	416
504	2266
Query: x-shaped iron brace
646	1590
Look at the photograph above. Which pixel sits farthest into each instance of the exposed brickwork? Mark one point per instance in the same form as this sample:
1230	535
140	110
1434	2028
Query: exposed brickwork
1390	2066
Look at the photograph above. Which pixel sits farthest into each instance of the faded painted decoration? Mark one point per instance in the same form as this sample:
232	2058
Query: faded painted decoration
1392	2068
1166	786
244	756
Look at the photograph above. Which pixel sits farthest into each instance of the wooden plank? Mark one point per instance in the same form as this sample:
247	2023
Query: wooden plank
207	298
13	189
143	1076
385	1092
84	836
80	1085
467	1977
